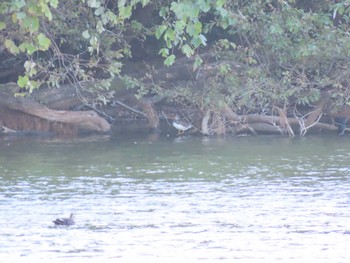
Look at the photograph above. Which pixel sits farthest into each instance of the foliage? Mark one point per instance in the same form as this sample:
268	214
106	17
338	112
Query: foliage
291	52
66	41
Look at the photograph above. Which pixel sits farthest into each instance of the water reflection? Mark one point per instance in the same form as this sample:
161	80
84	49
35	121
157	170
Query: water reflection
188	199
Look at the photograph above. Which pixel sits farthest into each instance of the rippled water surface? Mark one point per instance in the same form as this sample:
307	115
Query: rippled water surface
247	199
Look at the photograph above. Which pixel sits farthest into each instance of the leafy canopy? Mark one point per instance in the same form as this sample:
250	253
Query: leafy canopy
288	51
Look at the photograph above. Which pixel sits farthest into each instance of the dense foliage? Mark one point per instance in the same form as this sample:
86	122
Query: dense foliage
268	52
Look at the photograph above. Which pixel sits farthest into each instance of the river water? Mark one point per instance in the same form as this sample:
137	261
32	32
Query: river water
184	199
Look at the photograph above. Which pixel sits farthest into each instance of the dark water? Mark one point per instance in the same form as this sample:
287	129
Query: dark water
246	199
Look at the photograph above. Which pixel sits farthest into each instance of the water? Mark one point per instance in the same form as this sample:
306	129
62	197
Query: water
247	199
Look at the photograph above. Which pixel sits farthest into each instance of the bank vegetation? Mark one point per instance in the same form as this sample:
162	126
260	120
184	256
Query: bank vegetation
240	67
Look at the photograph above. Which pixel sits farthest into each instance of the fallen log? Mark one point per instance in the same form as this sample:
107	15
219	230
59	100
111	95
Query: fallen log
86	120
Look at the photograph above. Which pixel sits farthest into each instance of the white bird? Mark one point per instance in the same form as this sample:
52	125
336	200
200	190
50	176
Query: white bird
180	125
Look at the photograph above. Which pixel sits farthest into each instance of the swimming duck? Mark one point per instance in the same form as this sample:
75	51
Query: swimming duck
65	221
180	125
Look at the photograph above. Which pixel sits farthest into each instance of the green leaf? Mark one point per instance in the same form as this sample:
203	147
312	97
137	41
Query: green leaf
222	11
99	11
29	47
86	34
54	3
187	50
137	26
31	23
179	26
33	9
125	11
44	42
18	4
164	52
32	84
22	94
340	9
203	39
22	81
164	11
160	30
194	29
11	46
30	68
144	2
177	9
204	6
94	3
200	40
2	25
197	62
18	16
169	35
22	47
94	42
220	3
197	27
111	17
169	60
99	27
48	14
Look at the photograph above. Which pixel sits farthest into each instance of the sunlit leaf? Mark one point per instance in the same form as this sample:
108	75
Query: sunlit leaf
94	3
177	9
136	25
99	11
220	3
54	3
145	2
164	52
125	11
203	39
187	50
30	48
22	81
44	42
18	4
86	34
160	30
27	47
204	5
169	34
33	9
99	27
2	25
169	60
30	68
200	40
11	46
48	14
164	11
31	23
179	26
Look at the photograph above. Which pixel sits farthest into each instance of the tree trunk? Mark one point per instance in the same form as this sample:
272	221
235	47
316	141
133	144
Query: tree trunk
87	120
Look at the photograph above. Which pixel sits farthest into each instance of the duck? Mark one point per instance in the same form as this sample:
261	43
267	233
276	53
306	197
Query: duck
65	221
180	125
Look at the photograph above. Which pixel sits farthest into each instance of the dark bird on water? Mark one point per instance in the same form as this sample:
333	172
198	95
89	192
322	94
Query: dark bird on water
65	221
